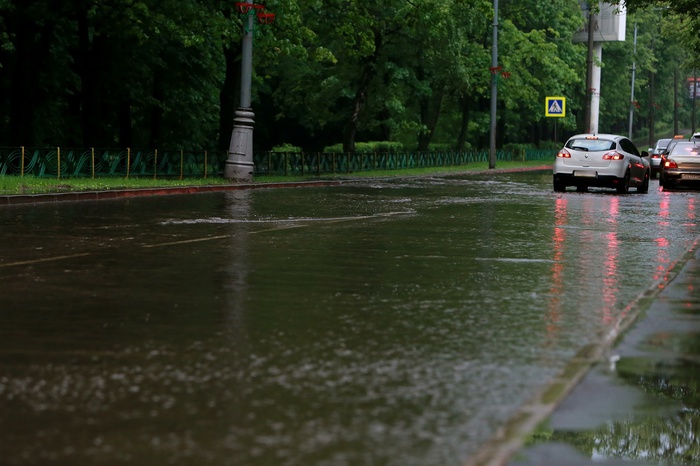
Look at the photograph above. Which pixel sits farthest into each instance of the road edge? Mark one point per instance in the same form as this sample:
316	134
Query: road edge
18	199
512	435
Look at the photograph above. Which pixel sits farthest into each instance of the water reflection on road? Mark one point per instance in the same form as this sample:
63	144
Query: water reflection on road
385	322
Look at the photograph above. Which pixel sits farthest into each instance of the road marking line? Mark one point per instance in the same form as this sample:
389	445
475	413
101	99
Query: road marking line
185	241
211	238
46	259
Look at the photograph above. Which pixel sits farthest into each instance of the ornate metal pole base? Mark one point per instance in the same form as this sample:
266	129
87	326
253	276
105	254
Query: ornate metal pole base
239	164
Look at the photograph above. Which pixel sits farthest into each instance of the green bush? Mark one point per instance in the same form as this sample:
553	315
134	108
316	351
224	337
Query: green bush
551	145
368	147
440	147
516	146
286	147
337	148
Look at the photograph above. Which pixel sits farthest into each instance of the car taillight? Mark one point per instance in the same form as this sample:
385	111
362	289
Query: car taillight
656	156
564	154
614	155
670	164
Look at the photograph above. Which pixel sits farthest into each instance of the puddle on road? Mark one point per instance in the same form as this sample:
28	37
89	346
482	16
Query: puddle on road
640	409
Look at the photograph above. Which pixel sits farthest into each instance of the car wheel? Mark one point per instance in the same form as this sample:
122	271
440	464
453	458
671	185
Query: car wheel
624	184
644	187
559	187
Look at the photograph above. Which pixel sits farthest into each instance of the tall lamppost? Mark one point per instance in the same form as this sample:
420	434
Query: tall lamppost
239	164
494	87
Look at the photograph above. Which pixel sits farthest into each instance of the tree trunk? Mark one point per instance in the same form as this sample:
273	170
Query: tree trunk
368	73
156	124
675	101
126	133
358	106
32	52
430	114
652	111
87	67
464	126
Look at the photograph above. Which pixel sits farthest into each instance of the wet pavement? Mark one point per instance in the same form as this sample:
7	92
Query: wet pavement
641	405
381	322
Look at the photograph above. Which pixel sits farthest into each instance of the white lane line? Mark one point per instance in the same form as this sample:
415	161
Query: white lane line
209	238
185	241
45	259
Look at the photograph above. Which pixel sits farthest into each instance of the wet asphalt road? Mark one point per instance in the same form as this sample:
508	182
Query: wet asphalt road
377	322
641	404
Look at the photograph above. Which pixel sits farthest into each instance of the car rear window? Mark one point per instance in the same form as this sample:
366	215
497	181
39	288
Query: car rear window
590	145
662	143
685	149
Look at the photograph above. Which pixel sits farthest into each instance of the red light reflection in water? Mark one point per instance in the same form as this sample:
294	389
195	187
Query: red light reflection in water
557	287
612	256
662	243
691	211
664	211
590	213
661	270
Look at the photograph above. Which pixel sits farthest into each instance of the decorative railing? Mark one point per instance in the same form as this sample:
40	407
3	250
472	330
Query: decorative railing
92	162
318	163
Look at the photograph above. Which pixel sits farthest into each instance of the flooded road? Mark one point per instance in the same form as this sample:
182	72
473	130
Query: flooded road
392	322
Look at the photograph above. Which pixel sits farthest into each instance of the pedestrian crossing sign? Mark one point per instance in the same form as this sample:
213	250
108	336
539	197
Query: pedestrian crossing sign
555	107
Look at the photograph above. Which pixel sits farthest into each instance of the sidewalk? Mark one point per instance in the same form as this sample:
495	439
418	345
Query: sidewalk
642	406
633	398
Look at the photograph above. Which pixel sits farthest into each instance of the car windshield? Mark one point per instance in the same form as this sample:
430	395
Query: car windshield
662	143
590	144
685	149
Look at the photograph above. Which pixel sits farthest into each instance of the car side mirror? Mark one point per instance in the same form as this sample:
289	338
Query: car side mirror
645	154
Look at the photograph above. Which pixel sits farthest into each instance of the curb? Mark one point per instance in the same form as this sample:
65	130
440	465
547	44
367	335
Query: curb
511	437
124	193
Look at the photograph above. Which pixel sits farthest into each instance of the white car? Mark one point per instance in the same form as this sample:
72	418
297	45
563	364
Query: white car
601	160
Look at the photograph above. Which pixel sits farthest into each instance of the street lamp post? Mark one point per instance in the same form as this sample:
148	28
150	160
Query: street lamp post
239	164
634	71
494	87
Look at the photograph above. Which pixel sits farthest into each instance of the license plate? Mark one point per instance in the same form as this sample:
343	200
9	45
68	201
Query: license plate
585	174
690	176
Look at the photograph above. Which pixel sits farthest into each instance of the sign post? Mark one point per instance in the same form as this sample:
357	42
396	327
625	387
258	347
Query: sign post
555	107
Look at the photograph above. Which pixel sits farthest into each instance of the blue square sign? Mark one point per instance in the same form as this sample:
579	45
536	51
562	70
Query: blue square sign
555	107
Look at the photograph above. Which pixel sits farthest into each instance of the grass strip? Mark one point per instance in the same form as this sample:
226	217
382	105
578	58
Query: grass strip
17	185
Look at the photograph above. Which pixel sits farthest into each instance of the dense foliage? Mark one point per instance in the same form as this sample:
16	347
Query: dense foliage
165	73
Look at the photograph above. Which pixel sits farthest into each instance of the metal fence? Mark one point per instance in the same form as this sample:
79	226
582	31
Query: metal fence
60	162
300	163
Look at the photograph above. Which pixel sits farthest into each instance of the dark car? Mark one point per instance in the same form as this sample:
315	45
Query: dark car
676	139
655	155
681	166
